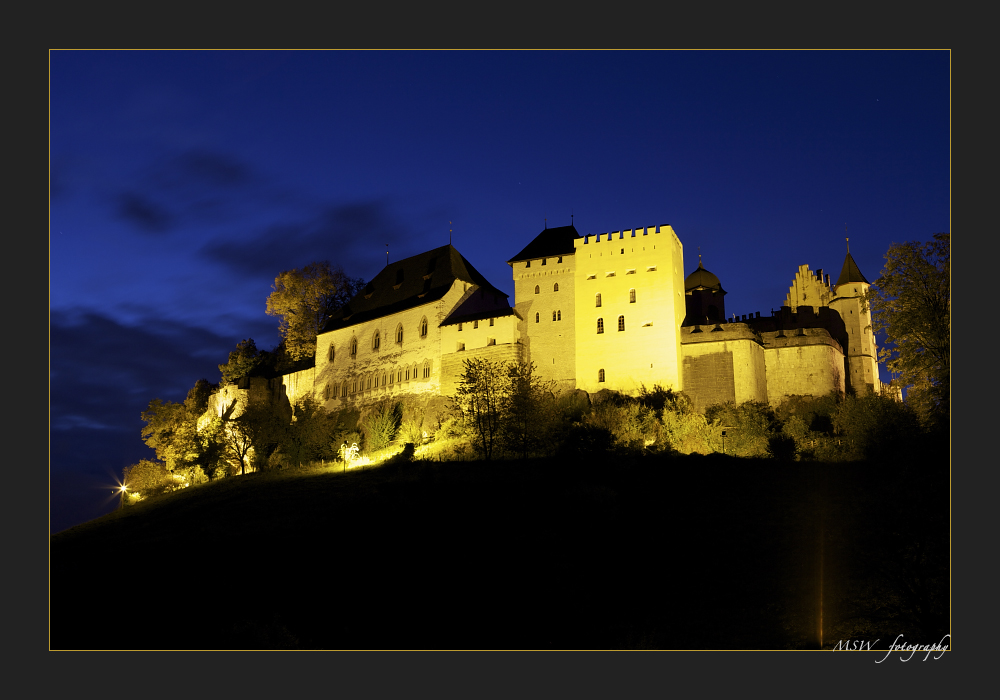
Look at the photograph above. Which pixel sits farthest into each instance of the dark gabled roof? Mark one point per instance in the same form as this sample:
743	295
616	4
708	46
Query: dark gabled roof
421	279
850	272
481	315
550	243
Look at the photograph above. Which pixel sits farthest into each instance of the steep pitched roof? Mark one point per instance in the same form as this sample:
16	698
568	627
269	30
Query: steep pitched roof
850	272
550	243
408	283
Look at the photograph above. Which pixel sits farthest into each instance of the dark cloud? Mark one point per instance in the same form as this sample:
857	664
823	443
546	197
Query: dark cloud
144	213
346	235
103	376
206	168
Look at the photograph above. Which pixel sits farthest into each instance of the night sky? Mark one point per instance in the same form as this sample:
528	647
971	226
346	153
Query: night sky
182	183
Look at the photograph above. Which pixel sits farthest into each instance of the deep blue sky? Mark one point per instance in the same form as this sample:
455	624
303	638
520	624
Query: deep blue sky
182	183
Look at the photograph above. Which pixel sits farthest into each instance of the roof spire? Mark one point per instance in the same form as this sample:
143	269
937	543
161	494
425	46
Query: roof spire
699	256
387	255
449	233
847	239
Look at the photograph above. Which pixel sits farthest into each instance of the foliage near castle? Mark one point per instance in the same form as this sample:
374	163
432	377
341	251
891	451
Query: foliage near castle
607	348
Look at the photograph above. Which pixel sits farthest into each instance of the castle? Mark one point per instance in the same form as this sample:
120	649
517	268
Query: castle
605	311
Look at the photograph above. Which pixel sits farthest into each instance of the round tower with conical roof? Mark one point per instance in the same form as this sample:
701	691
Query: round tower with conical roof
858	340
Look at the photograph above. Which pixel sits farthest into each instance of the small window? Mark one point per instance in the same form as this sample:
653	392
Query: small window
460	328
427	370
376	381
392	377
527	264
326	393
407	374
598	300
423	328
621	323
610	274
331	352
354	347
475	325
399	334
491	321
600	325
343	389
537	290
560	259
376	340
461	347
623	251
543	261
600	375
537	318
631	296
368	382
592	277
553	315
555	287
491	341
651	268
559	315
630	272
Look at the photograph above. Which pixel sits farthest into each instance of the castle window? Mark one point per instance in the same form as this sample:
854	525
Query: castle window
407	374
543	261
598	299
527	264
491	341
621	323
343	389
592	277
631	296
461	347
383	379
475	325
491	321
553	315
368	382
560	259
326	393
376	381
423	328
399	334
555	287
392	377
399	376
537	319
354	386
559	315
331	352
376	340
354	347
651	268
630	272
600	375
600	325
610	274
427	369
460	328
537	290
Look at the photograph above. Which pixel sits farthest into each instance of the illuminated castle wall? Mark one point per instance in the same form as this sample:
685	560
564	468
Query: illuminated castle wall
606	311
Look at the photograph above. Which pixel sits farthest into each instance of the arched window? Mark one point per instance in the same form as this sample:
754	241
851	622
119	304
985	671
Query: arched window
553	315
407	374
536	318
331	352
368	382
555	287
383	380
537	290
354	347
326	393
399	334
631	296
343	389
376	339
598	299
427	369
376	381
559	315
423	328
621	323
600	325
600	375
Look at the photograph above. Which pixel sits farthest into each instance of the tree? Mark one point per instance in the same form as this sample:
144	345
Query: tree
911	303
254	432
242	361
481	396
305	299
168	431
308	437
526	415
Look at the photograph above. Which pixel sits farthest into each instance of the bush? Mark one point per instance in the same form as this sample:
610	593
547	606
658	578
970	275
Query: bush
877	427
380	425
751	425
147	477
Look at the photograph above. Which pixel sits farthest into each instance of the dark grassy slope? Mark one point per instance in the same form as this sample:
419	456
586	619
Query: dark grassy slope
668	553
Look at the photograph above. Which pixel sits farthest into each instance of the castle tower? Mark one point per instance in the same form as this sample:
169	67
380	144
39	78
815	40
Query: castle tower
858	341
544	290
704	298
629	308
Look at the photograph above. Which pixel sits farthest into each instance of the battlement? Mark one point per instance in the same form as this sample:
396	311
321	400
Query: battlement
625	233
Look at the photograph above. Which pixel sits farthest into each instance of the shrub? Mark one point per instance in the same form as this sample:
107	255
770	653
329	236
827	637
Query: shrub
751	425
380	425
876	427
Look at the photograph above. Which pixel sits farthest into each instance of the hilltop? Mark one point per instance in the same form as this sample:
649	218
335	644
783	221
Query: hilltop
653	552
